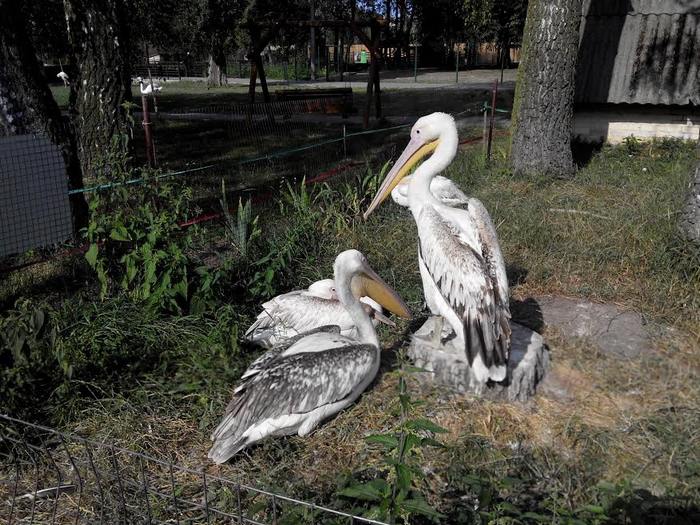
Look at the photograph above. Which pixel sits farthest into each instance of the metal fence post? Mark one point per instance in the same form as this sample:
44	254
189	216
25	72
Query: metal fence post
415	62
345	144
150	150
457	64
494	91
485	130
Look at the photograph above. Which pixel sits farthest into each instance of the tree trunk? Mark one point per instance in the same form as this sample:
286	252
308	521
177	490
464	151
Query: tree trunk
216	73
97	92
26	102
369	94
544	96
312	44
253	80
377	89
263	81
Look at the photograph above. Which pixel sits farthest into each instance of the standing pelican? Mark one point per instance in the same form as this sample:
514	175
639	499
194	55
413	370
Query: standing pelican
299	311
464	277
320	374
148	89
63	76
441	187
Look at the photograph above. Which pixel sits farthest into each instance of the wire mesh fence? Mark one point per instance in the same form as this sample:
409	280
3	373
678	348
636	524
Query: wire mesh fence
254	145
34	206
48	476
253	148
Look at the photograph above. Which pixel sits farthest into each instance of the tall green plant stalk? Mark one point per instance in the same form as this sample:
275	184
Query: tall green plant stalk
398	497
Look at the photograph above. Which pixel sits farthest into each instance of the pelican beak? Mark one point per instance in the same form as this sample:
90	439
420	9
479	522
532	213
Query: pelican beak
383	318
379	316
370	284
416	150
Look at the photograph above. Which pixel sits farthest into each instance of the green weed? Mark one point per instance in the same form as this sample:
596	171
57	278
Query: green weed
397	496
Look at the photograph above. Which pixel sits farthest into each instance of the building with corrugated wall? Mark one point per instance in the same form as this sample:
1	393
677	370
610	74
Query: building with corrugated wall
638	70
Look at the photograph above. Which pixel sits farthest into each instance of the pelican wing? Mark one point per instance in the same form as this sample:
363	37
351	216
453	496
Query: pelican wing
295	313
447	191
491	250
271	355
452	254
280	398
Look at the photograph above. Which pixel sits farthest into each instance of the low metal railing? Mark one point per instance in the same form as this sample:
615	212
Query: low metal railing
50	476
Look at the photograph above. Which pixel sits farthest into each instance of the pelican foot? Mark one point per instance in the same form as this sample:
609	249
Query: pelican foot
436	339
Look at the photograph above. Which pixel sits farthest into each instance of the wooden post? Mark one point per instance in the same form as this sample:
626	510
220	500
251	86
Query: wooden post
150	148
494	91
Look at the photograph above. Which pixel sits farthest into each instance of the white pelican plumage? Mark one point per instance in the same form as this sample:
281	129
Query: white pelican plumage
296	387
441	187
299	311
463	273
148	89
63	76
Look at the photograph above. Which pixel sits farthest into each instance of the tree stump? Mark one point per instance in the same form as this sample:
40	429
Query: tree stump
446	363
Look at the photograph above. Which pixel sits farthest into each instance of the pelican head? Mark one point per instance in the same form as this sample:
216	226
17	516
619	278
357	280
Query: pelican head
436	133
325	289
354	278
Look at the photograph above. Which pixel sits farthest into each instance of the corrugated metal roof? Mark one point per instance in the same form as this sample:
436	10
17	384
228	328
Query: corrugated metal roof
639	52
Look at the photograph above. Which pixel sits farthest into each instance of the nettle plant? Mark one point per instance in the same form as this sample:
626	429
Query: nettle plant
136	245
397	497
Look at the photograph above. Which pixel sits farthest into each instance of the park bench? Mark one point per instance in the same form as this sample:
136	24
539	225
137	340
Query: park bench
331	101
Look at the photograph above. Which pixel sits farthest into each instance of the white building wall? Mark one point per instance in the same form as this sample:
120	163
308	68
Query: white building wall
614	125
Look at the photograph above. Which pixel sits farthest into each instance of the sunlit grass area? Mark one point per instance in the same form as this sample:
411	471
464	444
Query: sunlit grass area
183	95
618	435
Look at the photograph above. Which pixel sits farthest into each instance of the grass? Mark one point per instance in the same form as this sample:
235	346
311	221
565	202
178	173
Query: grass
179	96
608	434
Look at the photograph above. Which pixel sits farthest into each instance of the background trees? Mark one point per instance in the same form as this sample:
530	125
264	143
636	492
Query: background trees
98	33
26	102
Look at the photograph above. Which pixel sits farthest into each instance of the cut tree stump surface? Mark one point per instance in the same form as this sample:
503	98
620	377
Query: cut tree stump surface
617	332
446	363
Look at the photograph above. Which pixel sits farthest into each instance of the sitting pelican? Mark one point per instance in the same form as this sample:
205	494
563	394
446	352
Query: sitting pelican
299	311
317	376
463	273
441	187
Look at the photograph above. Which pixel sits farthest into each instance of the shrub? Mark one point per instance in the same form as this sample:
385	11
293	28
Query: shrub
136	245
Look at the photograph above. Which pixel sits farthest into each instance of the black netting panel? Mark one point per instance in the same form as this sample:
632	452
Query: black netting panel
34	207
